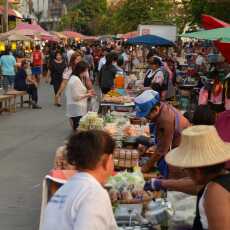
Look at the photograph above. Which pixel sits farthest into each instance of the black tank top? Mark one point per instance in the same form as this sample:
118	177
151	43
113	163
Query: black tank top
224	181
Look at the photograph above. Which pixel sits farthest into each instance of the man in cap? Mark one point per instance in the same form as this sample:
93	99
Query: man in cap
169	125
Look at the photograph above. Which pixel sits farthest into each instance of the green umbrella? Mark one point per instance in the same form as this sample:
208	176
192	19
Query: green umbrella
222	34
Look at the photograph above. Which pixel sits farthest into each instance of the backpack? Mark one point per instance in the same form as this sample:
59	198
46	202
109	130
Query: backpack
37	58
149	77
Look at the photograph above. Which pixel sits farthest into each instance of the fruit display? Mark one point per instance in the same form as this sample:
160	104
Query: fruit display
111	128
91	121
136	130
116	99
125	158
113	93
127	188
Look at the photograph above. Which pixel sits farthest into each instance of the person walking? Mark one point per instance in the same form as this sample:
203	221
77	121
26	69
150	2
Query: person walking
108	73
8	69
57	67
76	57
37	62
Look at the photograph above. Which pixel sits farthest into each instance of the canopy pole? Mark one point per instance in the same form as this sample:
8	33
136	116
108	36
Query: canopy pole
6	8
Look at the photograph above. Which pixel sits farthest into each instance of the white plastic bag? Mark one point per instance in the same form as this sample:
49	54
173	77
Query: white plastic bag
185	207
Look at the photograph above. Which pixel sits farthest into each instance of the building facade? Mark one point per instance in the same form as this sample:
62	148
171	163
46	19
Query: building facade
47	12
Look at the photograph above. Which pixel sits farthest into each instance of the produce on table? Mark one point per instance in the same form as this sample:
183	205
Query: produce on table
111	128
91	121
116	99
128	187
136	130
113	93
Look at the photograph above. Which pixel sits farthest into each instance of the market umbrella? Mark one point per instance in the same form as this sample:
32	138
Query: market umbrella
129	35
222	34
151	40
209	22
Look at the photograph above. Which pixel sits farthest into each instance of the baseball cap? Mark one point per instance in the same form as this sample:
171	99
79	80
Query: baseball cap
145	102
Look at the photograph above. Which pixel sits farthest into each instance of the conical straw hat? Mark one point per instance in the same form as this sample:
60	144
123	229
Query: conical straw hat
200	146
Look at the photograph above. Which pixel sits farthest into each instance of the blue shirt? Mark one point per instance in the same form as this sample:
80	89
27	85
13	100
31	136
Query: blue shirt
8	63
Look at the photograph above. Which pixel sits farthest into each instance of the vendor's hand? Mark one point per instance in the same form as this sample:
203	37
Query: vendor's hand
146	168
150	151
153	185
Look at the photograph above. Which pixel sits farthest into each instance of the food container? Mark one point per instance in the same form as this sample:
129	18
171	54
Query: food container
125	158
119	81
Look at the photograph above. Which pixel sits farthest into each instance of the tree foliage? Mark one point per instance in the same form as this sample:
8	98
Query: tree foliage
217	8
135	12
83	17
95	17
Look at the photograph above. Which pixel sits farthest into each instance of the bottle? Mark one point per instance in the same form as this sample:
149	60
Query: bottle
119	81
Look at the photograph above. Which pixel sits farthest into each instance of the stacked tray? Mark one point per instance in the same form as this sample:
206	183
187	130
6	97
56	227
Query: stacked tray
125	158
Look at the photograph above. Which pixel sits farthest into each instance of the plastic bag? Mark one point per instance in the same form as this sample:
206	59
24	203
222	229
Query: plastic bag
185	207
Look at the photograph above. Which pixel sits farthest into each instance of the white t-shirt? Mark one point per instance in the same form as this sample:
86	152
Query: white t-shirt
158	77
101	63
69	54
81	204
67	73
75	89
200	60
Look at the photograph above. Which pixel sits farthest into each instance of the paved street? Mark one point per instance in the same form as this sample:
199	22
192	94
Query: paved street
28	140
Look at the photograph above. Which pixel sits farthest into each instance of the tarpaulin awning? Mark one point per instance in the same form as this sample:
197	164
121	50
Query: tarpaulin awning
222	34
209	22
11	12
151	40
73	34
59	34
76	35
14	37
34	30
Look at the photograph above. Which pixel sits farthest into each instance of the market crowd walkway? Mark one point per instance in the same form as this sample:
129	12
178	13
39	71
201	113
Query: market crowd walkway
28	140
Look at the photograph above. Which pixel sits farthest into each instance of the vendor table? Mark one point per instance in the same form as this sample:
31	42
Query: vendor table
21	95
7	105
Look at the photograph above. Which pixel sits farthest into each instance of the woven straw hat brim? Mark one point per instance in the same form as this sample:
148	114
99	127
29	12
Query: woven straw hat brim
204	149
178	159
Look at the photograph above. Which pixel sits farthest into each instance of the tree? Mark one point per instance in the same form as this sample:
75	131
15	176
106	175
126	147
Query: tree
216	8
91	11
134	12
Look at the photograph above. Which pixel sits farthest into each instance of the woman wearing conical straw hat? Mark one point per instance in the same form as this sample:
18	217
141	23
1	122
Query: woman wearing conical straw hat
203	154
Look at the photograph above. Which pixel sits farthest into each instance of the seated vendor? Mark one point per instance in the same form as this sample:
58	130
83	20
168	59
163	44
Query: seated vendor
82	203
169	125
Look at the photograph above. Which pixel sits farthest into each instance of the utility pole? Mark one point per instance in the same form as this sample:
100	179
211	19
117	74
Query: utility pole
6	7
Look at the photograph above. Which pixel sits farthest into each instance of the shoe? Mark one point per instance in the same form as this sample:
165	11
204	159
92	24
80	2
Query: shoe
36	107
58	105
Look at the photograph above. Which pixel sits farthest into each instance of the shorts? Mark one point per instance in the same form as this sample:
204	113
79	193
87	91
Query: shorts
36	70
